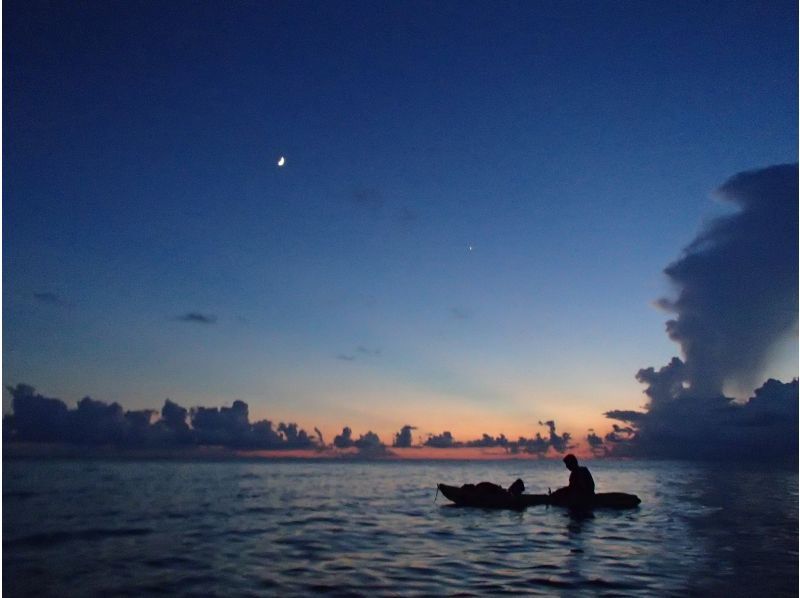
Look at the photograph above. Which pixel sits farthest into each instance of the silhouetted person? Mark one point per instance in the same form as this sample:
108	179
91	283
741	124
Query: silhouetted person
581	485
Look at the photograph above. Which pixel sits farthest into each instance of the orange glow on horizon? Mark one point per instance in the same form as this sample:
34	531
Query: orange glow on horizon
412	454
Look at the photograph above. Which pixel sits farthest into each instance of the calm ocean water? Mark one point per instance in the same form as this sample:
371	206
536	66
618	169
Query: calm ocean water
83	528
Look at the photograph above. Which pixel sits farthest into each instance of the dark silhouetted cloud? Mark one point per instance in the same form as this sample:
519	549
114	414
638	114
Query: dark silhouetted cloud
345	439
370	440
295	437
559	442
403	438
596	444
197	318
368	445
737	296
443	440
320	439
37	418
175	417
140	426
487	441
265	436
95	422
763	428
625	415
534	446
224	426
538	445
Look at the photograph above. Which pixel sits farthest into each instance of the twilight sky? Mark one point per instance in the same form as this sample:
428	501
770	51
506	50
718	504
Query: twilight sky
469	233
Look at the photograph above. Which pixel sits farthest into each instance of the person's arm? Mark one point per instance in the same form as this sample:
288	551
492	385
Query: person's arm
589	482
573	481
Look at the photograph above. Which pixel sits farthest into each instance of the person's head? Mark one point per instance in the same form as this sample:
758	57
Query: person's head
571	462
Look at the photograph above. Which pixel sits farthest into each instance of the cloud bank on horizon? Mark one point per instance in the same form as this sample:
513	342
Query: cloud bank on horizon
538	445
93	423
37	418
737	297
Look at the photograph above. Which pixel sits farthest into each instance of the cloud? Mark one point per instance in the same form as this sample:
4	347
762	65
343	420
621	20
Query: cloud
360	351
443	440
49	298
294	437
368	445
488	441
737	297
344	440
95	422
763	428
596	444
140	425
368	199
197	318
265	436
737	282
174	418
403	438
559	442
37	418
538	445
224	426
625	415
459	313
368	441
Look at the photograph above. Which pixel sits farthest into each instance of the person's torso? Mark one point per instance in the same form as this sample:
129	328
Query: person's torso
581	479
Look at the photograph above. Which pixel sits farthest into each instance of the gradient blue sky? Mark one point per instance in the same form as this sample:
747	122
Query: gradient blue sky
573	145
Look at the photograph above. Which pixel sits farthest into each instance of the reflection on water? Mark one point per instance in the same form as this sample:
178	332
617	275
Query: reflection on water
72	527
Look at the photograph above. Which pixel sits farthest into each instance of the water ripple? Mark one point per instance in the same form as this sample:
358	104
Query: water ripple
50	539
301	528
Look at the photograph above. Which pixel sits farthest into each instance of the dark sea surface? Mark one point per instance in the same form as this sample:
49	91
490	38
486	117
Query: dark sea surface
245	528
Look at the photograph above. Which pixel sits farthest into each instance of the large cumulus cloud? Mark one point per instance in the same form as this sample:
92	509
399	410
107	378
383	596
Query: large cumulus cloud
763	428
737	282
737	297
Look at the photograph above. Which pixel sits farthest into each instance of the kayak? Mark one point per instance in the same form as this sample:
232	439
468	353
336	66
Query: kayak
470	495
